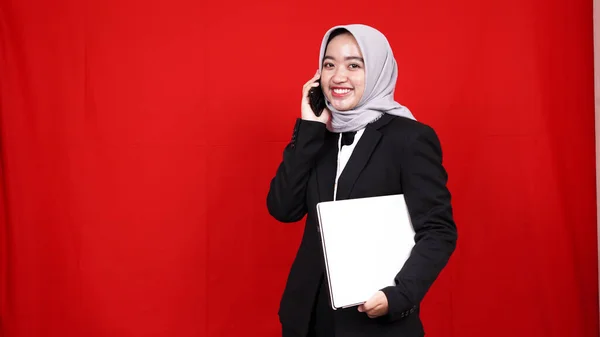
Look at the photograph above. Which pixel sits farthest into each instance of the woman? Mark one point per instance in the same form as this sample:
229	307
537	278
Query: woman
364	144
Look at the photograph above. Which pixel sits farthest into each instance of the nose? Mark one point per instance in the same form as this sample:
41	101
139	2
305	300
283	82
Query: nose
340	75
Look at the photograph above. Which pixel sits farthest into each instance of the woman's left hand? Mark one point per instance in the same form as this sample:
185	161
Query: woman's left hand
376	306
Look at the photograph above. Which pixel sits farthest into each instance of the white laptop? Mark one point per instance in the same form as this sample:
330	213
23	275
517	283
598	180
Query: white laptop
366	242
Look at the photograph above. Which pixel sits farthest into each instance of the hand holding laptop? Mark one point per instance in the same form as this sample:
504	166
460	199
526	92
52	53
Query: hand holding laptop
376	306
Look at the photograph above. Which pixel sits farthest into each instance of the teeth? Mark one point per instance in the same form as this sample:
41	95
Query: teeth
341	91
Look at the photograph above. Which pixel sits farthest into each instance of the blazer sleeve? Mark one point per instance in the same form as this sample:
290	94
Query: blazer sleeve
286	200
428	199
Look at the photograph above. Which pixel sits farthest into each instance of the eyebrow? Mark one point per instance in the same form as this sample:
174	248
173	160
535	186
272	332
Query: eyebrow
347	58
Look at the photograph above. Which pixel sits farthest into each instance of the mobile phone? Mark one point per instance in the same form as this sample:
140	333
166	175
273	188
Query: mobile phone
316	100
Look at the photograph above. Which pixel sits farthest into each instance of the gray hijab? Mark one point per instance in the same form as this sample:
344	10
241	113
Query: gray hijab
381	74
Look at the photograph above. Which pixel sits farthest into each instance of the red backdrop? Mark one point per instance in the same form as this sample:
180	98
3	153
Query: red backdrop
139	138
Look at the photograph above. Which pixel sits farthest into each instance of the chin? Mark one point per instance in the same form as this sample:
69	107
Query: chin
343	107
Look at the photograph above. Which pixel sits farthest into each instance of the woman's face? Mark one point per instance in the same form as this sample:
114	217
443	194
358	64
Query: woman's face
343	73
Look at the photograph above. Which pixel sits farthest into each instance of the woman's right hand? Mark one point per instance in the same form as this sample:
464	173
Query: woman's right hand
307	113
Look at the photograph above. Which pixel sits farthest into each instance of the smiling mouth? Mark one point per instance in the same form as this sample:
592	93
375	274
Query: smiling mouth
340	92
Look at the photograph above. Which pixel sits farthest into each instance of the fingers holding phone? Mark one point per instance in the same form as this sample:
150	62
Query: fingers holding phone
313	99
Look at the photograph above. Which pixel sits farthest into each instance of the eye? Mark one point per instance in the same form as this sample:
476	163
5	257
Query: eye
327	65
354	66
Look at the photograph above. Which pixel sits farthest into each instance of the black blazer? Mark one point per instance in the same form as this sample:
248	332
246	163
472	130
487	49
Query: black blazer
394	155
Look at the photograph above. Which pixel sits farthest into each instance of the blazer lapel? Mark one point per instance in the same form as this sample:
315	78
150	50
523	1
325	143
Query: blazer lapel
359	158
327	168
